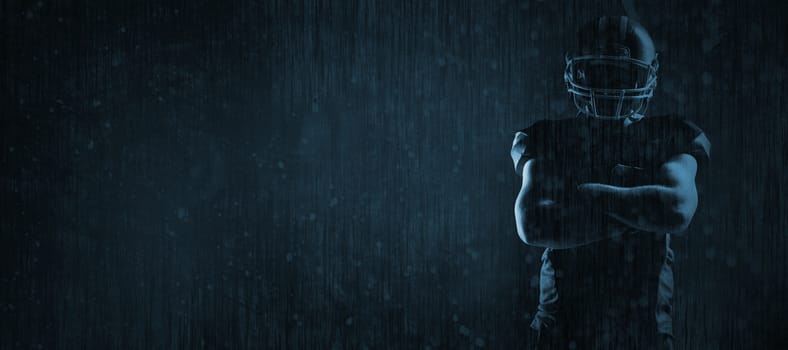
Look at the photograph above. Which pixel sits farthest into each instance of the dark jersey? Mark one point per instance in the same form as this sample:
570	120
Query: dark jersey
617	291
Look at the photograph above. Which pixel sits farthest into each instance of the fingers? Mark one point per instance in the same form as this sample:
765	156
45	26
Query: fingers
596	190
591	187
625	170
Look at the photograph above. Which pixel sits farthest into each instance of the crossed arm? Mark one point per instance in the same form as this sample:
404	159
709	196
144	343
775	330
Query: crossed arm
551	213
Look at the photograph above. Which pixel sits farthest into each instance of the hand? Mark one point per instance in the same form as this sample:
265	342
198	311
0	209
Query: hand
594	190
625	170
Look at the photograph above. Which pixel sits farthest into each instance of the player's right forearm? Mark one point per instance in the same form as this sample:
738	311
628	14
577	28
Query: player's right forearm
557	225
551	213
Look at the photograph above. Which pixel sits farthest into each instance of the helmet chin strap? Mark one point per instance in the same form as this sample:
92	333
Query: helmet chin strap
635	117
586	112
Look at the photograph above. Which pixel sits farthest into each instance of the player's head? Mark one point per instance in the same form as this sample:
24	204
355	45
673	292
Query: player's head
612	72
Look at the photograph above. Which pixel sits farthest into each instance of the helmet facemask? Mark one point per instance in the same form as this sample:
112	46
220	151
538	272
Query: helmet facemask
610	86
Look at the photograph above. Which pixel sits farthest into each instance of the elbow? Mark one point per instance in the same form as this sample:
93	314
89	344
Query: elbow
680	210
677	222
520	223
528	237
531	233
531	239
528	231
535	217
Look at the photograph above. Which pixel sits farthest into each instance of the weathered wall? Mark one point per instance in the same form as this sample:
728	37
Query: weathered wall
318	174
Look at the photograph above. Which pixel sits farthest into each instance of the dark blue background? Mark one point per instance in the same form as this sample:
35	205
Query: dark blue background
325	174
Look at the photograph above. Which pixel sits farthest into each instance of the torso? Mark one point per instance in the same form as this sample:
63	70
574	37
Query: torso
620	287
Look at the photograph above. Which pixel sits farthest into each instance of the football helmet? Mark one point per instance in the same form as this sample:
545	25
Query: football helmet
613	71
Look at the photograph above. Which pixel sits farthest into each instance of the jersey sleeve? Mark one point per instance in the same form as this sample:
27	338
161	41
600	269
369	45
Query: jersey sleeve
700	147
691	139
520	151
523	147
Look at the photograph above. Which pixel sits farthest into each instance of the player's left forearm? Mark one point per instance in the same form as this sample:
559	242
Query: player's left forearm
652	208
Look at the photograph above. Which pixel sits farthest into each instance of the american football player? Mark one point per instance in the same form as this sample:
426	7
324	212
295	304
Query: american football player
603	192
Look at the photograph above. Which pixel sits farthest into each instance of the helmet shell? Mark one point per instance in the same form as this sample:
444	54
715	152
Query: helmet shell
612	72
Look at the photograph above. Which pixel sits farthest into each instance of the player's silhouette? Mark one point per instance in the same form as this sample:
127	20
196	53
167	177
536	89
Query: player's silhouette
603	192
